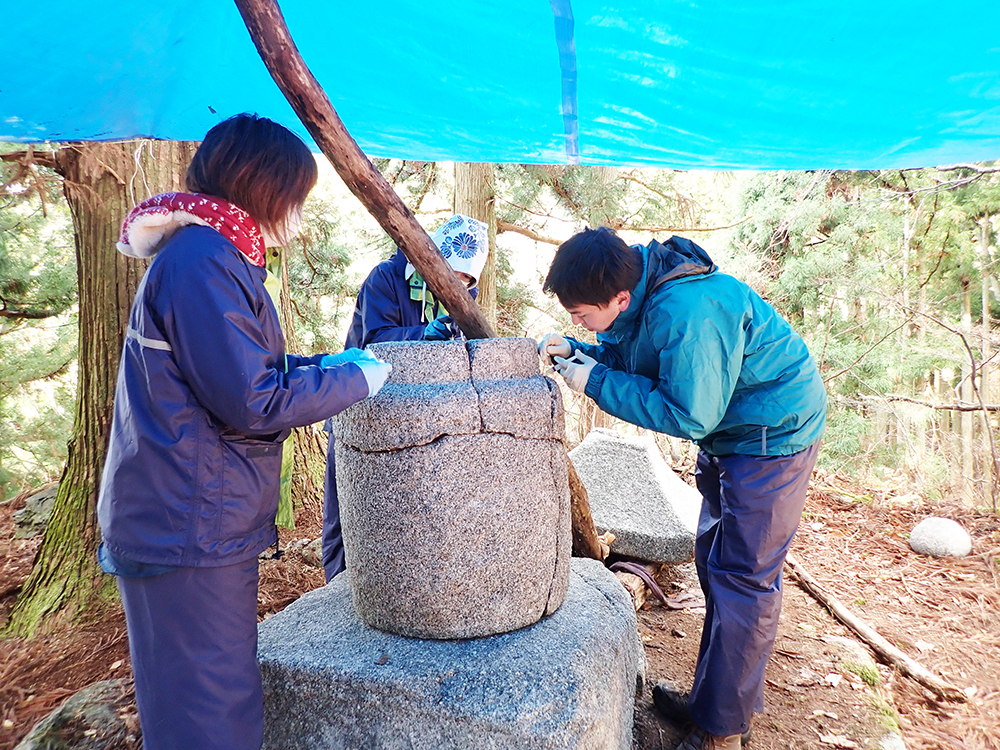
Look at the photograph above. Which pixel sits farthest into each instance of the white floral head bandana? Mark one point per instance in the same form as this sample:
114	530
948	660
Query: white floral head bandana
464	242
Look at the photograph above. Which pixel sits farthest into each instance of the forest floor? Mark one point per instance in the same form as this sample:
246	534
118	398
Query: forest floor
819	693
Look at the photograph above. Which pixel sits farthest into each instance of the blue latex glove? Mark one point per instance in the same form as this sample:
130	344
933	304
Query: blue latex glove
348	355
576	371
439	329
376	372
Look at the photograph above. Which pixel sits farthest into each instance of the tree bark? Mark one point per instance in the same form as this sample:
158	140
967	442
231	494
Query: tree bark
101	182
270	35
967	420
475	196
986	368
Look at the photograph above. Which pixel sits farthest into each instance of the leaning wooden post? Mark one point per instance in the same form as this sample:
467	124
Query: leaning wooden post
270	34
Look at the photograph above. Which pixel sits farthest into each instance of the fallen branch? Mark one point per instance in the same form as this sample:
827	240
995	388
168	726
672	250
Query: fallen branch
889	653
635	587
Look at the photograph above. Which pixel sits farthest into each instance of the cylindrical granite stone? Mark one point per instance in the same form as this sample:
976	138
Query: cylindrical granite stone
455	527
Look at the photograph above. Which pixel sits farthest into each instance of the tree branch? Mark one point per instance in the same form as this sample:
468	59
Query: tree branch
504	226
866	352
958	406
973	377
30	156
971	167
685	230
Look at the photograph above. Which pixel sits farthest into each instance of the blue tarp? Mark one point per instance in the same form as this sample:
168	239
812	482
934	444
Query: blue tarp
672	83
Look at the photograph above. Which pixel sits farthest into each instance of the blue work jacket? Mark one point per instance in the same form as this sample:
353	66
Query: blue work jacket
202	406
699	355
384	310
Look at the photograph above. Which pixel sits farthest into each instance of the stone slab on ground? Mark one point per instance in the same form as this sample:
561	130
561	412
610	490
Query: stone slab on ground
566	682
101	716
636	496
32	519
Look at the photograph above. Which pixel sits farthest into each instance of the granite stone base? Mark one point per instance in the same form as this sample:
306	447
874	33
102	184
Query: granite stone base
567	681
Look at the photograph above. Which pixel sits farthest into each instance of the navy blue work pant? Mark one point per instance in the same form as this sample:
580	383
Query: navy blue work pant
750	511
333	538
193	639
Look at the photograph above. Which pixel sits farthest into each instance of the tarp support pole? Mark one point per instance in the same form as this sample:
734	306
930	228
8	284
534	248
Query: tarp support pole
270	34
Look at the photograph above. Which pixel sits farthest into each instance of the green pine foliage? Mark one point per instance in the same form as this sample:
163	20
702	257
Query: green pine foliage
37	326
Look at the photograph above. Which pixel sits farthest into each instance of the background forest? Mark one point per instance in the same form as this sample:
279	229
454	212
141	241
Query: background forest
891	278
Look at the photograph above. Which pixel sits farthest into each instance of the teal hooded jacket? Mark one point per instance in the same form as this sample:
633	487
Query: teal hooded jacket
699	355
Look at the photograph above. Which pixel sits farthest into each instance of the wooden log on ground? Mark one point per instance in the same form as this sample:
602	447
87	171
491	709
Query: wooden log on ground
585	541
635	586
270	34
888	653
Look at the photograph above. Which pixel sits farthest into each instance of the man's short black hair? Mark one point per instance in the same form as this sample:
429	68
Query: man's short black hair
591	267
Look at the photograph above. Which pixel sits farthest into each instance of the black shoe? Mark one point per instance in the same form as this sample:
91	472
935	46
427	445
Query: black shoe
671	703
673	706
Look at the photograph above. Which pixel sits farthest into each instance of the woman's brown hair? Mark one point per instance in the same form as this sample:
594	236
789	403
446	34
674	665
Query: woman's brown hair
261	166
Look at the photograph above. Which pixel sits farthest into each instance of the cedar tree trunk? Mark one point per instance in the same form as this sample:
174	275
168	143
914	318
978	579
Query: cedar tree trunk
102	181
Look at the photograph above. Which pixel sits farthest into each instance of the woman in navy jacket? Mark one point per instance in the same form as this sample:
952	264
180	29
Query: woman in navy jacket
206	394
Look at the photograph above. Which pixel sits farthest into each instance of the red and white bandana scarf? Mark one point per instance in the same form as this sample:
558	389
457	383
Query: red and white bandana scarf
156	218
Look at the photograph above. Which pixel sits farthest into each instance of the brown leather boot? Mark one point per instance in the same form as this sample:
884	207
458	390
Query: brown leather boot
672	704
701	740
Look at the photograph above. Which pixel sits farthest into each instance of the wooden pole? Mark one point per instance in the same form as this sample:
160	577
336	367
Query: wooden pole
270	35
585	543
889	653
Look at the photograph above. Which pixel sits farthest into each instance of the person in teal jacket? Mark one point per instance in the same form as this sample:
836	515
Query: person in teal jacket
686	350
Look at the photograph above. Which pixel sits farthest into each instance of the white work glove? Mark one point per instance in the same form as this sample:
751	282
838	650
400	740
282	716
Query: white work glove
554	345
576	371
376	372
348	355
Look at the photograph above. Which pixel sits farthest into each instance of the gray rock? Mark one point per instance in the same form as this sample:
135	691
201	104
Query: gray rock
102	716
31	520
422	362
635	495
454	492
940	537
892	741
515	407
312	553
407	414
568	681
492	359
466	537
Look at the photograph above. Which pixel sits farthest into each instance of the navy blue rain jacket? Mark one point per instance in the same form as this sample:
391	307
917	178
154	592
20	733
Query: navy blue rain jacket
384	311
699	355
202	406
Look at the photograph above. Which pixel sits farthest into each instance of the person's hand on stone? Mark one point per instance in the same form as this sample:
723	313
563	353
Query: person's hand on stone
576	371
439	329
348	355
376	372
553	345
